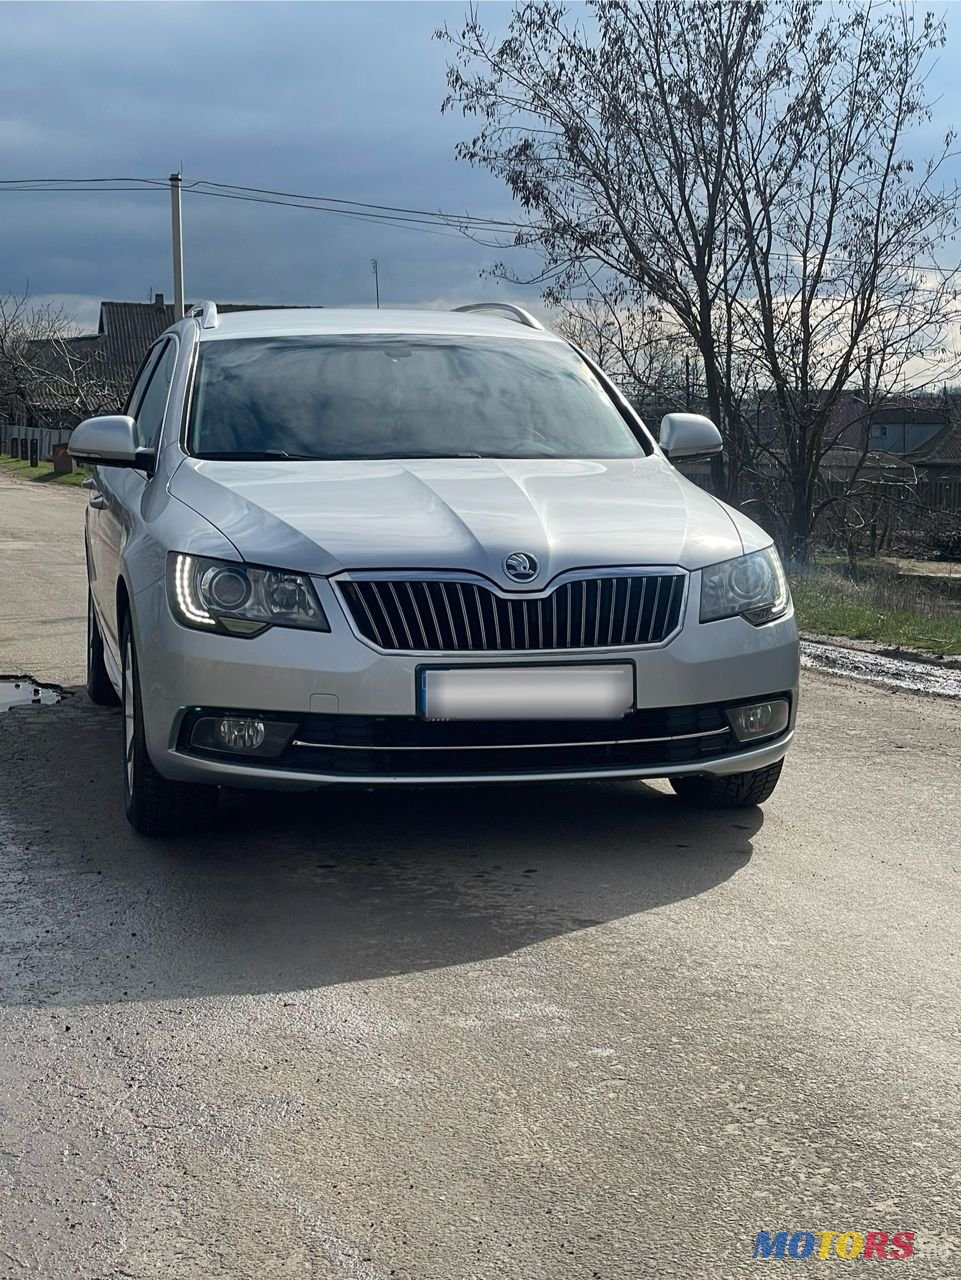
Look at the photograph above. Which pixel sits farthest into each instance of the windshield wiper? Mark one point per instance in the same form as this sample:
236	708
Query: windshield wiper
418	453
280	455
263	455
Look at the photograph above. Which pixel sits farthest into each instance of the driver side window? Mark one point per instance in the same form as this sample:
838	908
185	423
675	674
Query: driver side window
140	383
150	411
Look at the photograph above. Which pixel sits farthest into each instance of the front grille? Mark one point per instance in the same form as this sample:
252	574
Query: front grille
442	616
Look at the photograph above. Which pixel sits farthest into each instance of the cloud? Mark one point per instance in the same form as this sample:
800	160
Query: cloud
80	310
330	99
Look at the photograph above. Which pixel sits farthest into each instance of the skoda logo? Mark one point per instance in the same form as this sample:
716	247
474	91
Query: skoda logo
521	567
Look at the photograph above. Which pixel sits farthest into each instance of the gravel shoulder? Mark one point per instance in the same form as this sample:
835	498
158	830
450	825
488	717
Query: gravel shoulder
43	592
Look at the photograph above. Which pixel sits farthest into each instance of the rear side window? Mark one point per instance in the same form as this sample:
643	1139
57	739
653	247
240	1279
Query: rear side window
381	396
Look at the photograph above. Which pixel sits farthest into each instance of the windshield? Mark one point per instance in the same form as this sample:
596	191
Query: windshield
401	397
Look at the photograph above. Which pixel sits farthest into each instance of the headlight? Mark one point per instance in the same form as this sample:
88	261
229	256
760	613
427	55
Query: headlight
752	586
217	595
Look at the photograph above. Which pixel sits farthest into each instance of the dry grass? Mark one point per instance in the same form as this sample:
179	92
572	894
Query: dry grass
890	608
44	473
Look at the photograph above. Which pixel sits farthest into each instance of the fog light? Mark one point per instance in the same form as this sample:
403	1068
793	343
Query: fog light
759	719
241	735
245	735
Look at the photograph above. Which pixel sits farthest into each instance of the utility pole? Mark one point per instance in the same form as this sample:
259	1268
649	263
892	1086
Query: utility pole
373	263
177	241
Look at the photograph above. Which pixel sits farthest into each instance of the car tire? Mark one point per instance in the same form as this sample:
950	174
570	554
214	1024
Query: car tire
155	806
99	687
731	790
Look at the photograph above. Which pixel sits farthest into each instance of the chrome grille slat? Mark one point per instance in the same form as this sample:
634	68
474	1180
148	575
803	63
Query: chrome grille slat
627	610
415	613
450	617
400	610
357	590
640	611
497	623
611	620
463	610
657	597
671	604
433	614
444	615
378	598
480	615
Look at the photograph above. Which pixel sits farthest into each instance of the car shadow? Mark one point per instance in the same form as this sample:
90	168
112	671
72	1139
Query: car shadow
299	891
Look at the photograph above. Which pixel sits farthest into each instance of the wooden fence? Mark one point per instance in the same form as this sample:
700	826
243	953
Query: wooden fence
931	492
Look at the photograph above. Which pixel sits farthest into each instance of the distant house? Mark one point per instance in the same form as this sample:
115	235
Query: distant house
915	437
76	377
126	329
922	432
904	427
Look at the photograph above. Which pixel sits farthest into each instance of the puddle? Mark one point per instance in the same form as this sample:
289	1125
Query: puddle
24	692
895	673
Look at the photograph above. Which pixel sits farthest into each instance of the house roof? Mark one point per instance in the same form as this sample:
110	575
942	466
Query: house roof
128	328
943	449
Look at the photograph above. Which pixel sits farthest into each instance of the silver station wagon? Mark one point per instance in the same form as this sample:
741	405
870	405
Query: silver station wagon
414	548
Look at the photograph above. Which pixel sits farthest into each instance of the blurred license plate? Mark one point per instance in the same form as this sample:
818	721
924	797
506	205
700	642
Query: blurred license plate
598	692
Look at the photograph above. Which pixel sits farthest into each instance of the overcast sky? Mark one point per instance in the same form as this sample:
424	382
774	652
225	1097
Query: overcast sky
338	99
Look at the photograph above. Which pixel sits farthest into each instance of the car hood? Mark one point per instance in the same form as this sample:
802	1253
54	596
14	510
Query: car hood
459	513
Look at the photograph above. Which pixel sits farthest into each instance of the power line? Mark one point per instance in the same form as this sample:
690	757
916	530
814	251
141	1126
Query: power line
70	184
82	190
430	222
370	211
427	213
411	224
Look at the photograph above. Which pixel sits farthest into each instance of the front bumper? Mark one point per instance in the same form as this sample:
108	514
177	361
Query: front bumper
334	684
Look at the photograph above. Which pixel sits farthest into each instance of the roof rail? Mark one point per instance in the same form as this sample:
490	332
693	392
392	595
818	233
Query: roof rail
207	314
515	312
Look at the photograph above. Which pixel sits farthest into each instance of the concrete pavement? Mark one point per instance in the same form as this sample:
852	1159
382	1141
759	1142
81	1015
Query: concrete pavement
515	1033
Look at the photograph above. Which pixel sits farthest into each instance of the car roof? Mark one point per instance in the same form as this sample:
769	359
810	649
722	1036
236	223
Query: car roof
331	321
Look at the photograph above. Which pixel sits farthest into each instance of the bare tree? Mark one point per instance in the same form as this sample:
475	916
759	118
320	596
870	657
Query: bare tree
634	345
22	325
744	165
50	374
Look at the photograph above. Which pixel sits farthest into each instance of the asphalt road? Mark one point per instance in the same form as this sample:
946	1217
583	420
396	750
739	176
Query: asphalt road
521	1034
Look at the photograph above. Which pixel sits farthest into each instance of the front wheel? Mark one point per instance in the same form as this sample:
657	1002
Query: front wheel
731	790
155	806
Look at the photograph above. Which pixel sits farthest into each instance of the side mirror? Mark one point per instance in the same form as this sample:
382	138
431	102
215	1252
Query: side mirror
110	441
689	435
